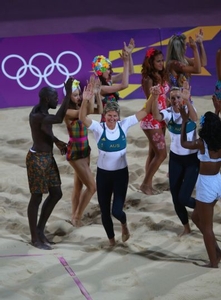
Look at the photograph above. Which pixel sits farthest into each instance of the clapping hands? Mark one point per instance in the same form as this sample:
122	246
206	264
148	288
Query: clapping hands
127	50
199	37
95	83
185	92
124	55
130	47
88	92
155	90
192	43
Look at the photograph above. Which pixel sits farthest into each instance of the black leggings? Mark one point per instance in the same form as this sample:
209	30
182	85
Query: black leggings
108	183
183	173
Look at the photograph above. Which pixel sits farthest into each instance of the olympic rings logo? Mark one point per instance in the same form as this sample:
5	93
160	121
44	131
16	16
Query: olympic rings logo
35	71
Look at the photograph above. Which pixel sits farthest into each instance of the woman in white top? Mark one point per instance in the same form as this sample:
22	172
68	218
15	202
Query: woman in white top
112	169
208	186
183	163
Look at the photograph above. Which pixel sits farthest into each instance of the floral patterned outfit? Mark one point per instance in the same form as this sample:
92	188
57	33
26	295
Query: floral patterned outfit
149	122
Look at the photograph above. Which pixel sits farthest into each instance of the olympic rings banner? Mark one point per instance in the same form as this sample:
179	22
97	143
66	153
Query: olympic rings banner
30	63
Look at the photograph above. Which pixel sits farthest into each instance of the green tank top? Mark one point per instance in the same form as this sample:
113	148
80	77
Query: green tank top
176	128
112	146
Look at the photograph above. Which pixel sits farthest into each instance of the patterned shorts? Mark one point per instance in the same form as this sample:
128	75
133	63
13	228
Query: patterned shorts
42	172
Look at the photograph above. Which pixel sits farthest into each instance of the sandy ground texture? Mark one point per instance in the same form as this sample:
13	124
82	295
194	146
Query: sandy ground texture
155	263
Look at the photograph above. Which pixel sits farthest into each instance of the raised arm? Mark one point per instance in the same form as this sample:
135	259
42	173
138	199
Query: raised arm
196	144
48	119
202	52
99	108
59	116
194	63
106	89
155	110
185	94
130	49
87	95
95	108
148	105
64	105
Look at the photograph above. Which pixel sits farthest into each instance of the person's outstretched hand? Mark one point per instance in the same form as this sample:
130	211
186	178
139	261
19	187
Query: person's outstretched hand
124	55
95	83
192	43
199	37
130	47
155	90
185	94
88	92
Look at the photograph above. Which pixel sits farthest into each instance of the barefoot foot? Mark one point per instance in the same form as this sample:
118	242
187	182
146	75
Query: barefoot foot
186	230
148	190
218	256
209	265
112	242
40	245
43	239
76	222
125	233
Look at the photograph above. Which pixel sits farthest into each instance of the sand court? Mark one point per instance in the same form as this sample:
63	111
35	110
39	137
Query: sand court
155	263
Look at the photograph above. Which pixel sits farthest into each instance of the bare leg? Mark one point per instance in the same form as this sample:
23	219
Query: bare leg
157	154
218	64
32	218
196	221
147	188
218	253
78	185
54	196
125	232
84	174
186	230
205	215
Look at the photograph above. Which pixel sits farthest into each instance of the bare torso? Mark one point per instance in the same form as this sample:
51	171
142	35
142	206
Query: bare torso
211	168
41	133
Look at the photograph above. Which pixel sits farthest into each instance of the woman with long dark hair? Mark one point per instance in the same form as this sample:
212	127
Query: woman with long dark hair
153	73
208	186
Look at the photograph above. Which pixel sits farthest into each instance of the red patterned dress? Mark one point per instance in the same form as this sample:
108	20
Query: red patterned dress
149	122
